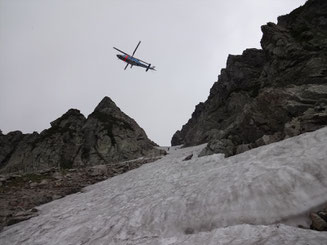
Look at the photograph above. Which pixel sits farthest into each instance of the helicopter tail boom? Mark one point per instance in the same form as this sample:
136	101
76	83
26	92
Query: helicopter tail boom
150	67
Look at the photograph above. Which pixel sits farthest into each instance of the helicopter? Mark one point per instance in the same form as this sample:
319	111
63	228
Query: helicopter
131	60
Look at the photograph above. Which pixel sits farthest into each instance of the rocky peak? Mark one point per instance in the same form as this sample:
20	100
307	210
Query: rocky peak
71	117
307	22
111	135
106	136
106	106
263	96
108	112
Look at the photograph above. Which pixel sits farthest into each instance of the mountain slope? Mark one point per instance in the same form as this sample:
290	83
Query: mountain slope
245	199
107	135
264	96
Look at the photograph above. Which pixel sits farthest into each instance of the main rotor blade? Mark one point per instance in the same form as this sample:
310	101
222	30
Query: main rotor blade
136	48
121	51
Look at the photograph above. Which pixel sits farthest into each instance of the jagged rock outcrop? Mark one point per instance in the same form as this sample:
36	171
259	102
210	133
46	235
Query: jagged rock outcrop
107	135
54	147
110	135
8	144
267	95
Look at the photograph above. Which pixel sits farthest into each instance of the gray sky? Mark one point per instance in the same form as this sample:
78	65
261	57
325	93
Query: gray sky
57	54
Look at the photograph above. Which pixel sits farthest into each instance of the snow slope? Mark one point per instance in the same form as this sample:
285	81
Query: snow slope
258	197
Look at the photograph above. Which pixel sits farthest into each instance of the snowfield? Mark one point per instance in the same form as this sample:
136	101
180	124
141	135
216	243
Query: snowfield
258	197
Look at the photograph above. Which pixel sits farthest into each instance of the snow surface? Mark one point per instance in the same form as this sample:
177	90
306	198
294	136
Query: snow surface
258	197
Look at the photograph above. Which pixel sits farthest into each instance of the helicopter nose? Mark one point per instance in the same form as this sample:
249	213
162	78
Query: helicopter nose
118	55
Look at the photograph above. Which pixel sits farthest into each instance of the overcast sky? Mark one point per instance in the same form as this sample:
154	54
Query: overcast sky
58	54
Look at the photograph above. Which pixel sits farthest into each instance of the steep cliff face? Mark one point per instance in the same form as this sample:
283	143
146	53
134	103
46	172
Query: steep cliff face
267	95
107	135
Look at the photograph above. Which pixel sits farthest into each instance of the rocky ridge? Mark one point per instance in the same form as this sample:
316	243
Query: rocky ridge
268	94
107	136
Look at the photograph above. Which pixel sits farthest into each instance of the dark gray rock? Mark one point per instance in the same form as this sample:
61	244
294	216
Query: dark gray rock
226	100
323	215
107	135
189	157
8	145
264	96
224	146
318	223
21	216
111	136
54	147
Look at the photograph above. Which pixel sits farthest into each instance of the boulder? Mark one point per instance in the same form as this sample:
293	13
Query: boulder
21	216
318	223
99	170
224	146
189	157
